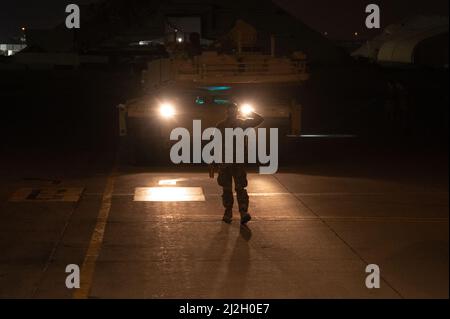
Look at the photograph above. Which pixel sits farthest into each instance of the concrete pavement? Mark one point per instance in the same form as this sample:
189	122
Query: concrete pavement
312	236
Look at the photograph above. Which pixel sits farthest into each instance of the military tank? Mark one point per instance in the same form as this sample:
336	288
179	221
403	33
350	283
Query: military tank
197	86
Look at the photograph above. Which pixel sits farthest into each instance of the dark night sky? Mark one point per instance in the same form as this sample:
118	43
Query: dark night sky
339	18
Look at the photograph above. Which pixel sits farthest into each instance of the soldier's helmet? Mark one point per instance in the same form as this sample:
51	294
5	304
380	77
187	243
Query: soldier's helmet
231	106
232	109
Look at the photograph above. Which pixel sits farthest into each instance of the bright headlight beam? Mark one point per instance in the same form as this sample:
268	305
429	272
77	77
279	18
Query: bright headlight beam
247	109
167	110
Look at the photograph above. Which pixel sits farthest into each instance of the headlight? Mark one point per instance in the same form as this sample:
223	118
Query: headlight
167	110
246	109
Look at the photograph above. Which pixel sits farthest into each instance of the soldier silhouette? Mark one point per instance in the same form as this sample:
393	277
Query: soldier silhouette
235	171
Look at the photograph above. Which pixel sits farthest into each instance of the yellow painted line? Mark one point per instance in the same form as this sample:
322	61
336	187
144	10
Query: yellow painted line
95	245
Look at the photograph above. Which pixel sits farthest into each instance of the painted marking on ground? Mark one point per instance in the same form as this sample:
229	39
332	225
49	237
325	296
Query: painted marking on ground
169	194
47	195
95	244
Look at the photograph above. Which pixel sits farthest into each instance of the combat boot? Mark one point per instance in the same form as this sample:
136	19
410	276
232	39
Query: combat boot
228	216
245	218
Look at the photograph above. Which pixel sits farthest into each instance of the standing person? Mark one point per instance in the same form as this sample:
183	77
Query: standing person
235	171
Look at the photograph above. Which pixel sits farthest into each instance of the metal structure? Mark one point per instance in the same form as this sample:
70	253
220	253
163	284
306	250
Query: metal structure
211	68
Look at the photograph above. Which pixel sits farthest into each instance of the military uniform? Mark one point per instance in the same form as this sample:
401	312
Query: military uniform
236	172
228	173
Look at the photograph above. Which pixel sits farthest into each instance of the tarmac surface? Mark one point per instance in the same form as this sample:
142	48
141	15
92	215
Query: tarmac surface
315	229
335	206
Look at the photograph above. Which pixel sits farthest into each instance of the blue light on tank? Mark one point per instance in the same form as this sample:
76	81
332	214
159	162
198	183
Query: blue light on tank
221	101
200	101
218	88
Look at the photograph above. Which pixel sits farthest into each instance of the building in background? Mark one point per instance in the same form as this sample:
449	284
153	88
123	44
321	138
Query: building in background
9	47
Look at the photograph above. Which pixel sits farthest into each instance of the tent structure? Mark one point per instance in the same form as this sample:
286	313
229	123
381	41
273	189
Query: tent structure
420	40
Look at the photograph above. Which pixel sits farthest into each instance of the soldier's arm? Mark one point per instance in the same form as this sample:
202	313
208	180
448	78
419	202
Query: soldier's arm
255	120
